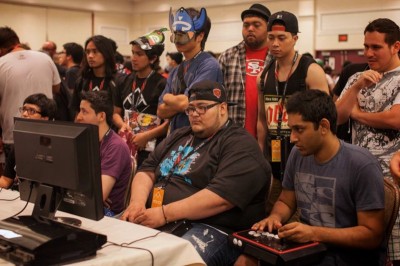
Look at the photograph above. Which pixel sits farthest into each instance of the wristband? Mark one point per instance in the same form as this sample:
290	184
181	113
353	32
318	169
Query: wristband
163	212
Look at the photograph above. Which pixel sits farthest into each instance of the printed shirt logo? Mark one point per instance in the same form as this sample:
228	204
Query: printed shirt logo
183	167
272	110
254	67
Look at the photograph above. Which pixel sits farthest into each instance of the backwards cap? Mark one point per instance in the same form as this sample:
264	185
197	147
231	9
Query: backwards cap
287	19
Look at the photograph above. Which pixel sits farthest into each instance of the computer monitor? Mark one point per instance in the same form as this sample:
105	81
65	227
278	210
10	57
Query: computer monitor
59	167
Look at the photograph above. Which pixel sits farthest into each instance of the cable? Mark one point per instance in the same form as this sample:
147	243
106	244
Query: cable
9	199
127	245
27	201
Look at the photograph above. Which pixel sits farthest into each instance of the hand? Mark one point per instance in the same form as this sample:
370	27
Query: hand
296	232
152	217
140	140
133	212
271	223
395	167
369	78
124	128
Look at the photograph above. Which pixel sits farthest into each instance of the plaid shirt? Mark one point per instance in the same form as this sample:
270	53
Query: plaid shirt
233	66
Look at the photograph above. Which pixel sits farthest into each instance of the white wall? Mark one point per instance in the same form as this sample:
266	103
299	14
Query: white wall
320	21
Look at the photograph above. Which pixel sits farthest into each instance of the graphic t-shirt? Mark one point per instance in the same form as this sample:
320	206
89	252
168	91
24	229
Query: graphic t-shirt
254	65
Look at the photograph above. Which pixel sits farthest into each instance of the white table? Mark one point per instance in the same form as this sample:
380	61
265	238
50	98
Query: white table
166	248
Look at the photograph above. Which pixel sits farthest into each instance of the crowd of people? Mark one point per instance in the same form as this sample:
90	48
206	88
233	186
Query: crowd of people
256	138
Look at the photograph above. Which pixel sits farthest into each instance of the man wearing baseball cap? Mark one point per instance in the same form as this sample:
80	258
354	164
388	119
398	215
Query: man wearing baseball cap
241	65
211	173
290	72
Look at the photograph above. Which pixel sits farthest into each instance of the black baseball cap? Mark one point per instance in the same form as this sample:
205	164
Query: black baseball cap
286	19
210	91
258	10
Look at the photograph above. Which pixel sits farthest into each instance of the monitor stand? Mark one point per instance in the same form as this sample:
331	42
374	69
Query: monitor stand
69	220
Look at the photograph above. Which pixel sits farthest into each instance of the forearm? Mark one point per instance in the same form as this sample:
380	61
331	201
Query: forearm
118	117
382	120
282	211
172	105
158	131
261	122
141	187
202	204
345	104
352	237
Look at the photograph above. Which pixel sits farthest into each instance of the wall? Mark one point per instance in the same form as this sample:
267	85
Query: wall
320	21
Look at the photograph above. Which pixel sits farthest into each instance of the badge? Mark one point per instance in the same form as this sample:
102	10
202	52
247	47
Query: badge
158	197
276	150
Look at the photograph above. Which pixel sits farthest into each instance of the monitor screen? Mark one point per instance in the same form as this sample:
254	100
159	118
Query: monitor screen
59	167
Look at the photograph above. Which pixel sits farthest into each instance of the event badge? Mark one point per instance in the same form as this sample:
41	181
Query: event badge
158	197
276	150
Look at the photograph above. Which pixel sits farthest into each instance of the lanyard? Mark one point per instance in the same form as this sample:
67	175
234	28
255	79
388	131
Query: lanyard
101	84
136	103
282	104
180	158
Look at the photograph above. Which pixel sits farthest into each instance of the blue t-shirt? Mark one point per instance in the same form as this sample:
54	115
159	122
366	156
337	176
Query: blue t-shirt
202	67
331	193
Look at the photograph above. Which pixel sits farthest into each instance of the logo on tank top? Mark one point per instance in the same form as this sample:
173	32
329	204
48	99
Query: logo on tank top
254	67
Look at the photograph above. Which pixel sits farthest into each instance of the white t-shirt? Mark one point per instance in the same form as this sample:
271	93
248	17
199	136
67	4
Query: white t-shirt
23	73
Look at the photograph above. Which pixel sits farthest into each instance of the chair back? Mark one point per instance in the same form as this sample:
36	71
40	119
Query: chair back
128	189
392	203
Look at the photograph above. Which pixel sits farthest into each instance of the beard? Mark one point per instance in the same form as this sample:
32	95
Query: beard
253	42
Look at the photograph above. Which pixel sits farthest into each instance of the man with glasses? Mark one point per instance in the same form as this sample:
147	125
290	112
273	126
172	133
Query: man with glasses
36	106
190	30
211	173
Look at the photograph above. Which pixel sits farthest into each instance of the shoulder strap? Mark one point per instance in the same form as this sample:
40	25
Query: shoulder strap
264	73
181	79
305	62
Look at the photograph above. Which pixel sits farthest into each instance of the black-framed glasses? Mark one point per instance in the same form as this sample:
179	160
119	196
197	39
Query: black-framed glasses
201	109
30	111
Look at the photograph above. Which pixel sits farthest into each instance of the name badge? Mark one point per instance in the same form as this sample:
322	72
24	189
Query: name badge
276	150
158	197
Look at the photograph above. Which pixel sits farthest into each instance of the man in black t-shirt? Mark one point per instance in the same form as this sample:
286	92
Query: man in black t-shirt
211	173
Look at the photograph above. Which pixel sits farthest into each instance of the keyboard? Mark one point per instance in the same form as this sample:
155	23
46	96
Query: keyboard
269	248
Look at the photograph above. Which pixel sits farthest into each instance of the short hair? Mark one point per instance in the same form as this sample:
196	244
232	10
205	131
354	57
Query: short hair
386	26
75	51
8	37
47	106
313	106
177	57
100	101
206	27
105	47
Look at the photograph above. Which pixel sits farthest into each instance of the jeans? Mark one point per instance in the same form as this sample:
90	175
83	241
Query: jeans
212	245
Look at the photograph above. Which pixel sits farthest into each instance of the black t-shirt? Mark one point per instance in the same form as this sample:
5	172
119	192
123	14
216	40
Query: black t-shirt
95	84
71	76
9	169
144	100
296	82
230	164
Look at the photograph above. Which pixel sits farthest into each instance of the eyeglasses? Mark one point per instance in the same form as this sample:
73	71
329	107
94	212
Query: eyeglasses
201	109
30	111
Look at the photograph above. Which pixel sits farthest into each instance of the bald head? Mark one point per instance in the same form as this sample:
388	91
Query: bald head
50	47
